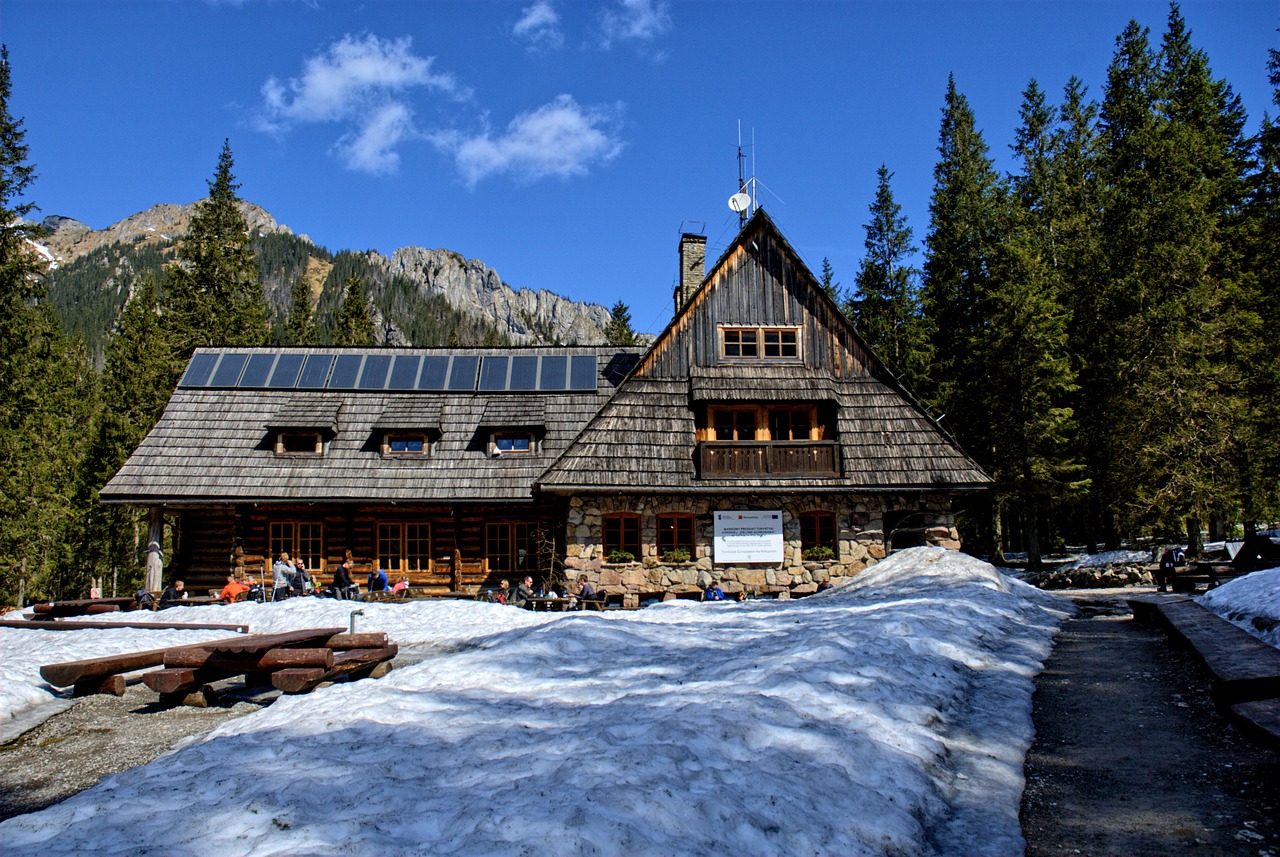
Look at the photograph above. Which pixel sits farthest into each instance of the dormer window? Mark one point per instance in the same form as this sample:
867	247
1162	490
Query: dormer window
299	443
513	442
405	443
760	343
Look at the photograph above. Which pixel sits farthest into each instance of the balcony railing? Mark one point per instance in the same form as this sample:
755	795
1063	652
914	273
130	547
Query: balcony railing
741	459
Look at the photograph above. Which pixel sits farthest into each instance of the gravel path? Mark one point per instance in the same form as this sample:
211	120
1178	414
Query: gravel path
1131	757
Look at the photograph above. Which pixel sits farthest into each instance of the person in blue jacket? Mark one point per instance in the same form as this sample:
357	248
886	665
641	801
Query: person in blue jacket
378	581
713	593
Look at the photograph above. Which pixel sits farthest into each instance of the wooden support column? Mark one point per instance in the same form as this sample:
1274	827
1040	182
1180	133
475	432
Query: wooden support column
155	556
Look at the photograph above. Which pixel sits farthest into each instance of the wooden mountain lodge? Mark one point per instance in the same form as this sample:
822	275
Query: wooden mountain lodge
756	430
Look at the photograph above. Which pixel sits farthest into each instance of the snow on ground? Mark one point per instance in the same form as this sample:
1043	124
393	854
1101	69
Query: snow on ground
1255	595
887	716
1107	558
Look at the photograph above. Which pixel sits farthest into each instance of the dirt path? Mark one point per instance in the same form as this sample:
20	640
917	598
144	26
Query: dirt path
1131	758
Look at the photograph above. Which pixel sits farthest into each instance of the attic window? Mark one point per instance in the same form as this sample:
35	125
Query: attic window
760	343
511	442
299	443
405	443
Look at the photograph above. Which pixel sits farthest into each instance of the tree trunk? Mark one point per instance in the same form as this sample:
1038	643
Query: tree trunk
1194	546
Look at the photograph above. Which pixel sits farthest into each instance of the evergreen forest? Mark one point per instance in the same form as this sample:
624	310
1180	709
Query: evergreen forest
1096	328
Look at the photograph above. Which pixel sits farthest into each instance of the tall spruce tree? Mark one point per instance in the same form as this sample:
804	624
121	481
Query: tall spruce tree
49	394
300	327
141	369
618	330
353	326
214	296
966	214
886	309
828	280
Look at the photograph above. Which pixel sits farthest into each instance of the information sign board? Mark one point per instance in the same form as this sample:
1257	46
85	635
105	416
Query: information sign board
748	536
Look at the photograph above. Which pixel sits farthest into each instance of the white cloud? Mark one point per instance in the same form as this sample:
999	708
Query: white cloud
559	139
361	81
539	27
636	21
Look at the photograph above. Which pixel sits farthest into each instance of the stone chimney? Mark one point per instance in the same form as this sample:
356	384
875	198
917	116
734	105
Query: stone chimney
693	267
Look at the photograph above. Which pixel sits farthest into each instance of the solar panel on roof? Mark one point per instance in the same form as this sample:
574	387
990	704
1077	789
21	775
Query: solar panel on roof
493	373
462	374
345	371
199	370
553	372
374	374
229	369
316	371
258	370
435	371
524	373
404	372
582	373
286	372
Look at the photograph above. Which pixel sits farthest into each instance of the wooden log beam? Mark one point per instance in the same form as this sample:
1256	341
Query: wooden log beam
353	661
88	669
95	609
246	662
360	640
52	625
263	642
182	680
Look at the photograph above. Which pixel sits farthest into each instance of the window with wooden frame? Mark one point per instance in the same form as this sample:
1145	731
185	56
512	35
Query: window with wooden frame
622	533
404	547
405	443
675	532
299	443
818	530
765	422
760	343
512	442
512	547
301	539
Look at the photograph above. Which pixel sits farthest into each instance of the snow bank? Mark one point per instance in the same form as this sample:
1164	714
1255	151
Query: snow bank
888	716
1252	602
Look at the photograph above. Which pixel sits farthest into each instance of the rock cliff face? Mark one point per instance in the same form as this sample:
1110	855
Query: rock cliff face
526	316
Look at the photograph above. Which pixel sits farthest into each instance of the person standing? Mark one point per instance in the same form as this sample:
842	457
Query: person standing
282	577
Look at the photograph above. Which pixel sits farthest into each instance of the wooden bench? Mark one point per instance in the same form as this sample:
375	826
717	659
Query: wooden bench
1243	667
1260	720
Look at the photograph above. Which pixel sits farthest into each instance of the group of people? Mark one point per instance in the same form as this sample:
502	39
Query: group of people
524	592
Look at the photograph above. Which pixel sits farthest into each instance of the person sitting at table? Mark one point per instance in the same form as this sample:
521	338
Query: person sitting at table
586	592
523	592
503	595
377	581
343	586
401	587
713	593
173	595
233	588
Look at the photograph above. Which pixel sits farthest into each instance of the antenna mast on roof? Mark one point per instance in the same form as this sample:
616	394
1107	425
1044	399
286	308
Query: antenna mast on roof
742	201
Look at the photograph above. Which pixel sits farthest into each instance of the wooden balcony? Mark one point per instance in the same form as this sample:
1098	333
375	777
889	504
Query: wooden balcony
748	459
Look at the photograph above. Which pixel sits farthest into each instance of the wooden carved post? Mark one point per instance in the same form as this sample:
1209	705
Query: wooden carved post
155	559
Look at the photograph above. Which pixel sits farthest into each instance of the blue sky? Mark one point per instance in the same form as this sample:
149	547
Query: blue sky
565	144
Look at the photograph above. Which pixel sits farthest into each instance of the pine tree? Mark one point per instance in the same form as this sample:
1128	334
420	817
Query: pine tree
618	330
214	294
49	394
828	280
141	369
354	325
300	328
886	309
967	210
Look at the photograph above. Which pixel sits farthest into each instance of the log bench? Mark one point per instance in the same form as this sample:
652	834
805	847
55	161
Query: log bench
1260	720
1243	667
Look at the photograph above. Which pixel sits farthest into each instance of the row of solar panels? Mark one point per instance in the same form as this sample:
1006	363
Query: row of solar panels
404	372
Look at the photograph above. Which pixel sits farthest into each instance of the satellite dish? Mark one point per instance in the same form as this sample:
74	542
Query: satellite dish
740	202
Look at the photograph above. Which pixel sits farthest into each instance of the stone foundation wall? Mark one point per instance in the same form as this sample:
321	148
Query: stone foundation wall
859	532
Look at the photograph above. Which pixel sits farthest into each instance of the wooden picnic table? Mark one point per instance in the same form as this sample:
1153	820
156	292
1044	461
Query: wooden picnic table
547	603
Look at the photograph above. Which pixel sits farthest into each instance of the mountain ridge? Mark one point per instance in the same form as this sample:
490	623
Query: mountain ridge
522	316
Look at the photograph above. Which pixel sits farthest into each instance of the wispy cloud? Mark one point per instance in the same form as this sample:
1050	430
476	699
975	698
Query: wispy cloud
559	139
364	82
539	27
638	22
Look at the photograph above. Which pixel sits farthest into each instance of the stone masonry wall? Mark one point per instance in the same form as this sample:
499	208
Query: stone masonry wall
860	536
